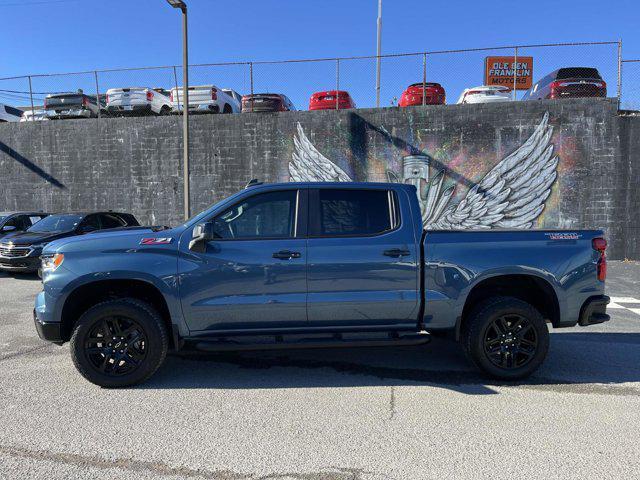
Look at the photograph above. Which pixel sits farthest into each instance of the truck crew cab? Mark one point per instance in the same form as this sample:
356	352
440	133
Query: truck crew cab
307	265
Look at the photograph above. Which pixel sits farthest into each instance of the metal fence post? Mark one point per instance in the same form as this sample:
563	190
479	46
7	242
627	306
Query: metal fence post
424	78
95	74
337	81
175	80
515	72
619	73
33	113
251	82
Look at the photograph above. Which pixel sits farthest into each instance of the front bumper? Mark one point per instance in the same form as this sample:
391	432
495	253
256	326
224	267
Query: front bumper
594	311
20	264
50	331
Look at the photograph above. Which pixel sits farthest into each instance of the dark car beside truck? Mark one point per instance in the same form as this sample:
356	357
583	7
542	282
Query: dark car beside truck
305	265
20	252
15	222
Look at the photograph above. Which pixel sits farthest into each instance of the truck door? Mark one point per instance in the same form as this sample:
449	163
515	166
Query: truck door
362	258
254	274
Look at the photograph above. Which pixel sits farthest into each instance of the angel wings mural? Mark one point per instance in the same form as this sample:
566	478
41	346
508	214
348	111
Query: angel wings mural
510	195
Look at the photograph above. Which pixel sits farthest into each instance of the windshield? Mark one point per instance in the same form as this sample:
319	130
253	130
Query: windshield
56	223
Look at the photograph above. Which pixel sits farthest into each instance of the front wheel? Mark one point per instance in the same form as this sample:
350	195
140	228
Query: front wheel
119	343
506	338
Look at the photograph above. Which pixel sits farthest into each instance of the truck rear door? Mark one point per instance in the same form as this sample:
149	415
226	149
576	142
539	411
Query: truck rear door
362	258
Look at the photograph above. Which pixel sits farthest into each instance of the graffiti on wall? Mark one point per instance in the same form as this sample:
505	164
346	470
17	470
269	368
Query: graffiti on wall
512	194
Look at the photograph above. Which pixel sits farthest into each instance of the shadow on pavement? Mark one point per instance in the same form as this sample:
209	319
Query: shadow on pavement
20	276
575	363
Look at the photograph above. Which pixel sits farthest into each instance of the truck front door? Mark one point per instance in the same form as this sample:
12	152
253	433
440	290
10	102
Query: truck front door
253	275
363	258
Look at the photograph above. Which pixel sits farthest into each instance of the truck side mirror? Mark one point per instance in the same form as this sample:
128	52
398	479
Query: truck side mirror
8	228
202	233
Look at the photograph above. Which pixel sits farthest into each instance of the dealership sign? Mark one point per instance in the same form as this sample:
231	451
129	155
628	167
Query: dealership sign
500	71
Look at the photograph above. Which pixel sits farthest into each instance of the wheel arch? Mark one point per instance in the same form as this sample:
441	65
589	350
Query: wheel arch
533	289
88	294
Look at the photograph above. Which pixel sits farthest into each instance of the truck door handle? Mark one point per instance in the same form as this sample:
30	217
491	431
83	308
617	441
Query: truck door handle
286	254
396	252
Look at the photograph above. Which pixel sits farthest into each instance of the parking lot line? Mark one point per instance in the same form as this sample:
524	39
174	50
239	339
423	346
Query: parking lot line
624	300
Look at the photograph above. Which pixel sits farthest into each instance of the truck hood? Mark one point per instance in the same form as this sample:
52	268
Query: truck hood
117	240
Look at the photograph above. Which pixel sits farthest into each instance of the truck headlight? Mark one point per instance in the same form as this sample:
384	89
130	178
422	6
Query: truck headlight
51	262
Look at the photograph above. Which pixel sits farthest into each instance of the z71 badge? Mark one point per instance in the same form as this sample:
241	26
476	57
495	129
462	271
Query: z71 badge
156	241
563	235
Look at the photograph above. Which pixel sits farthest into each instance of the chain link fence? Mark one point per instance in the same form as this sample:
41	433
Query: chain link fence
630	98
454	70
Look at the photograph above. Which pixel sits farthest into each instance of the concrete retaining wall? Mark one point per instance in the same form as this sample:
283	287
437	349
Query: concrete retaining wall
134	164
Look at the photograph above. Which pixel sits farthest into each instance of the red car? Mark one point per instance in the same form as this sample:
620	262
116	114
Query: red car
433	92
328	100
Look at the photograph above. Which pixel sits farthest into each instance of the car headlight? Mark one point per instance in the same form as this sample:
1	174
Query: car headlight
51	262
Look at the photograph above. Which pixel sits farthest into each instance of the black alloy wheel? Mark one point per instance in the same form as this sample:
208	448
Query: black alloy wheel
510	341
116	346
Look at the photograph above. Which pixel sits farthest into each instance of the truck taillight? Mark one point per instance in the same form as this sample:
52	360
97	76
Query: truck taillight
149	95
600	245
214	94
171	96
106	98
85	101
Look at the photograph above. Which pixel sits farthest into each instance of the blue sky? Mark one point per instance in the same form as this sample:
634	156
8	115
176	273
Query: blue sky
74	35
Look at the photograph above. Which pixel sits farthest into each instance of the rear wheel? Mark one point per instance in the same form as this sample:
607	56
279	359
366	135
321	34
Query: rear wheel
506	338
119	343
227	108
165	110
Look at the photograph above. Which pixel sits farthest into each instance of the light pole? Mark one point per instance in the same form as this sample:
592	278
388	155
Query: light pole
185	105
379	51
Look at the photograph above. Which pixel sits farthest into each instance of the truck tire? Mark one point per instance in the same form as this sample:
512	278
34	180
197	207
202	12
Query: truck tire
119	343
506	338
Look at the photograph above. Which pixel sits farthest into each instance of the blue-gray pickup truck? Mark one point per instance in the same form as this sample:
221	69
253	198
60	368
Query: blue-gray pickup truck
307	265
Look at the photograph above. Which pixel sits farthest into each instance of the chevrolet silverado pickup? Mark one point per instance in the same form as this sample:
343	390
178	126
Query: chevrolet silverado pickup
308	265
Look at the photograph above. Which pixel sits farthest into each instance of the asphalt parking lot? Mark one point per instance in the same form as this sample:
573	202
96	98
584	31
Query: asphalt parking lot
405	413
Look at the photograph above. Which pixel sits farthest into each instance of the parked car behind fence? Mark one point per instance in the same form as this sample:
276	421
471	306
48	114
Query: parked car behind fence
136	100
331	100
485	94
207	99
9	113
266	102
569	82
36	115
71	105
428	93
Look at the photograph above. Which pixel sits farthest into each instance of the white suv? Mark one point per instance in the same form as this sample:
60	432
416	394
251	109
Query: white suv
122	101
208	98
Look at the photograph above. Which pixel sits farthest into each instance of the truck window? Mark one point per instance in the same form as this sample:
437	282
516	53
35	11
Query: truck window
266	215
355	212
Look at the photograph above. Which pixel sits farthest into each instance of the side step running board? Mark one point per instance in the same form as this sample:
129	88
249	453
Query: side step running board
223	345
